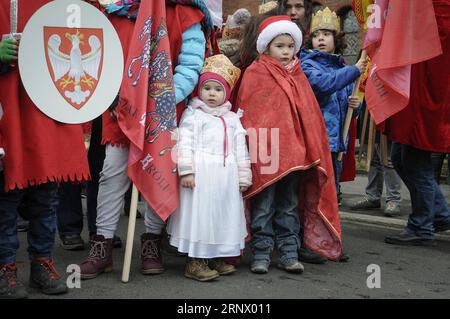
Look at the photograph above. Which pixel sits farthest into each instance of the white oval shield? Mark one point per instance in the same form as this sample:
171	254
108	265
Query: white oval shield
70	61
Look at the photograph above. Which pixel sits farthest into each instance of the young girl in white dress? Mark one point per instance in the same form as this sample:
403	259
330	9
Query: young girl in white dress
214	170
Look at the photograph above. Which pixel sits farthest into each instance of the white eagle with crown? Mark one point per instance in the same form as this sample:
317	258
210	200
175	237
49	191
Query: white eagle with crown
76	64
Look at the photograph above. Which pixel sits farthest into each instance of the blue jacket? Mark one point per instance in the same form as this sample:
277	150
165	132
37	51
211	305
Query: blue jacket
190	62
332	82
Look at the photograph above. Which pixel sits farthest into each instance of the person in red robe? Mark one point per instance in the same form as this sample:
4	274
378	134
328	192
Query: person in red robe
421	128
295	181
39	153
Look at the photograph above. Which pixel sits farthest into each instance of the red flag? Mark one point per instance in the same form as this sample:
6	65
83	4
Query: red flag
147	110
360	8
407	34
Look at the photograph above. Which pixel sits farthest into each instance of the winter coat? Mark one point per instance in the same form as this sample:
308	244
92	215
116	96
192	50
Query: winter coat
332	82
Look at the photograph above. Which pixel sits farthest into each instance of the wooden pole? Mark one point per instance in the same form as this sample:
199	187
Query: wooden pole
370	143
349	116
363	134
384	149
130	235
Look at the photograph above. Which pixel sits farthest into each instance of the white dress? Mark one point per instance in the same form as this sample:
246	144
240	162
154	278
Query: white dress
210	220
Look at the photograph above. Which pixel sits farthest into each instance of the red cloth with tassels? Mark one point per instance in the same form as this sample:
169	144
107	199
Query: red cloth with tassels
179	19
284	100
38	149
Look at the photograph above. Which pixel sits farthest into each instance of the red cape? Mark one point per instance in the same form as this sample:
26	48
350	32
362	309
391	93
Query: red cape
111	132
348	173
179	19
271	97
38	149
425	122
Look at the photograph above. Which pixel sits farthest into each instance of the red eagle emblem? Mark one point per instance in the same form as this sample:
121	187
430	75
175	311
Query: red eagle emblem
74	60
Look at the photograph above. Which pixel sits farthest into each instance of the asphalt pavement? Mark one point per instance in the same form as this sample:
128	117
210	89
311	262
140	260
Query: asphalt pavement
375	269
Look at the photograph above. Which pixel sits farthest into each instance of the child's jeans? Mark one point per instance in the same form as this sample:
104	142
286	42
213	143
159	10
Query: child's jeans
42	202
275	216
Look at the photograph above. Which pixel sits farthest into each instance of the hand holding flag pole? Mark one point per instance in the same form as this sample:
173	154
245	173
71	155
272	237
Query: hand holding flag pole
349	116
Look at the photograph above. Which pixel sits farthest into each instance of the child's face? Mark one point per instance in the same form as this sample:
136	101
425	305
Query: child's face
323	40
282	48
212	93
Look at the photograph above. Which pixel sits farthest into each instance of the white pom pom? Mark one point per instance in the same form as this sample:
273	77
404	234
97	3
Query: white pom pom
241	16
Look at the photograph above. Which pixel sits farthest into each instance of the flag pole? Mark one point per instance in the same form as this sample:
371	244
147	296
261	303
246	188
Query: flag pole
130	235
363	134
349	117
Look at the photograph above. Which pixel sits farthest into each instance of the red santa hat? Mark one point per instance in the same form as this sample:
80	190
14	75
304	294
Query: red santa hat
274	26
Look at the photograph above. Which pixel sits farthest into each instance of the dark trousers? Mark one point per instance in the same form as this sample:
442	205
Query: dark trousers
337	168
70	212
428	204
275	219
41	204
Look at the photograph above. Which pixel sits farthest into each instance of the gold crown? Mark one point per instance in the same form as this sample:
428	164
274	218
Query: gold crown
268	6
221	65
325	19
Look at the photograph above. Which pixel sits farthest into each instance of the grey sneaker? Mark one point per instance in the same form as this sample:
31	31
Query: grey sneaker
296	267
392	209
260	266
366	204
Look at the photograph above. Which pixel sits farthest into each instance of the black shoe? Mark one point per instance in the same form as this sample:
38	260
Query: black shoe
22	225
43	276
365	204
344	258
406	239
10	288
441	227
72	242
306	255
117	242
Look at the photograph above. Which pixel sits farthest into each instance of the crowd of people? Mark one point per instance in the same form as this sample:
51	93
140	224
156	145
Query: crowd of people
273	83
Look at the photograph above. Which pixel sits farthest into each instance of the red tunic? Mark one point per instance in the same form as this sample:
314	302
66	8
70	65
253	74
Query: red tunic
284	100
179	19
38	149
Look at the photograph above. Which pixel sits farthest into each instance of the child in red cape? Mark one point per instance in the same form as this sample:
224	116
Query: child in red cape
296	180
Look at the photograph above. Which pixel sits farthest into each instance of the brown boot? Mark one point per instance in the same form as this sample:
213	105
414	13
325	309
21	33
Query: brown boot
151	257
100	258
198	269
221	266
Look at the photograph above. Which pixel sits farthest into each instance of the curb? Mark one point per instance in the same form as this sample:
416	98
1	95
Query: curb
382	222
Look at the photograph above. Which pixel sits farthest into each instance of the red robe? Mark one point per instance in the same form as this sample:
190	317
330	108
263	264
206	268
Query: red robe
425	122
285	100
179	19
38	149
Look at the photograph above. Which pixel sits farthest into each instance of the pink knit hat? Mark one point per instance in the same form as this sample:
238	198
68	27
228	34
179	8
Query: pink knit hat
210	76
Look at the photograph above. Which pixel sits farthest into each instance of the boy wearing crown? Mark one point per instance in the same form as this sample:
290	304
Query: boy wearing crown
330	79
214	168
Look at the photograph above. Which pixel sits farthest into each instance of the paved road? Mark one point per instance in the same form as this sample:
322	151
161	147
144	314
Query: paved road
406	272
